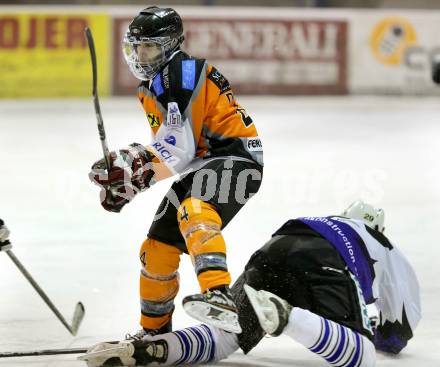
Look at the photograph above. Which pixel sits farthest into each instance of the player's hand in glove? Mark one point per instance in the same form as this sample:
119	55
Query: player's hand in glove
130	172
389	340
392	343
4	236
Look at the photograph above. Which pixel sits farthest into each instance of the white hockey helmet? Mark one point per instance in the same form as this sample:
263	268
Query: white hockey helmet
372	217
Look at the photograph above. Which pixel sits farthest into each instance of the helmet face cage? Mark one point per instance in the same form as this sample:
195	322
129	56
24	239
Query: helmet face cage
145	56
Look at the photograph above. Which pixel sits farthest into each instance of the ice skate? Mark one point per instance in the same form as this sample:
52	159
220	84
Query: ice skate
134	351
110	354
215	307
272	311
142	333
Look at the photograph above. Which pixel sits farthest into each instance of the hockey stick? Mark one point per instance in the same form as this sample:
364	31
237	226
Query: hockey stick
48	352
99	119
79	312
44	352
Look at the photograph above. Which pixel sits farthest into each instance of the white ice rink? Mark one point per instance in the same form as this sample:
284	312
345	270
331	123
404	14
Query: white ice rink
320	154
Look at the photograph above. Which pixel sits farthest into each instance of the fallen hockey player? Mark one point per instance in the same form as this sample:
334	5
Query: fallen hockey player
312	282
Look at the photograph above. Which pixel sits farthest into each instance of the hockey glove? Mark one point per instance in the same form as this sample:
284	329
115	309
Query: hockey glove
130	172
393	343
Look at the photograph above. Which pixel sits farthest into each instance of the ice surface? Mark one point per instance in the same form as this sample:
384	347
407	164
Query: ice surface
320	154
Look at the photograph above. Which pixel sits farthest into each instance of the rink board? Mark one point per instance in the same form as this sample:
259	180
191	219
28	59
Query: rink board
260	50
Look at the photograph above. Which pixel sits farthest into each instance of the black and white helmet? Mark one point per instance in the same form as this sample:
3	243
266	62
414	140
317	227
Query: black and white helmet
151	39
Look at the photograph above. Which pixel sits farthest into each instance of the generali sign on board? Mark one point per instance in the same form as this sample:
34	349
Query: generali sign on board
264	56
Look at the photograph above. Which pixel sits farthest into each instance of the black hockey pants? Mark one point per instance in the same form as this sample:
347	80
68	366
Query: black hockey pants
306	271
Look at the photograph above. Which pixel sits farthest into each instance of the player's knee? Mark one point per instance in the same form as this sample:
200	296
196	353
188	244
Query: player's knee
193	210
200	225
159	278
158	258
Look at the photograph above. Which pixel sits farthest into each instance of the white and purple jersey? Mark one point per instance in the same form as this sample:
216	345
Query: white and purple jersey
385	276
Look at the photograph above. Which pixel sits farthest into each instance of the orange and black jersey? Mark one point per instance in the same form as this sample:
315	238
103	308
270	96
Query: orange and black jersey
195	117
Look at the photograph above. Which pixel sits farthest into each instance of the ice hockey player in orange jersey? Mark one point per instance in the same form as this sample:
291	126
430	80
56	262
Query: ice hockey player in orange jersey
201	133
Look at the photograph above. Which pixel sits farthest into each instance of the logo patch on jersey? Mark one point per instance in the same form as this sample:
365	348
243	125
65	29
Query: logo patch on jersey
153	120
164	153
254	145
174	118
219	80
171	139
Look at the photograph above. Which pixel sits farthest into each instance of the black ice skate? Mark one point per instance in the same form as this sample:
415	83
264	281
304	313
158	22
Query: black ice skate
131	352
215	307
272	311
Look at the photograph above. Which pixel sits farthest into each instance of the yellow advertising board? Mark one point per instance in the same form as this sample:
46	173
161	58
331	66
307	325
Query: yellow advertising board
46	55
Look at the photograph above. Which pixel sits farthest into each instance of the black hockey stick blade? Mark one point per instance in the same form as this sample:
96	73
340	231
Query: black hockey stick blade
43	352
100	122
48	352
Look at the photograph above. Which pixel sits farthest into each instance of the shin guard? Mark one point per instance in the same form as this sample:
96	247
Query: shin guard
159	283
200	225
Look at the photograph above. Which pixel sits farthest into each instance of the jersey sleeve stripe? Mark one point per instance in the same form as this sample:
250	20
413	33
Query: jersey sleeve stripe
188	74
157	85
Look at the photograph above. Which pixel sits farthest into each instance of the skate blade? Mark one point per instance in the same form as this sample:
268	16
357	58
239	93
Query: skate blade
212	315
262	307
